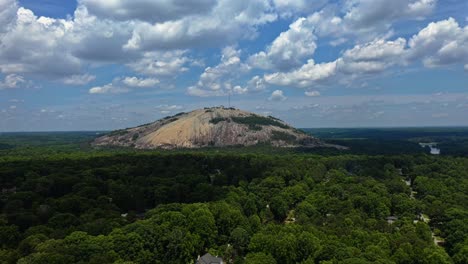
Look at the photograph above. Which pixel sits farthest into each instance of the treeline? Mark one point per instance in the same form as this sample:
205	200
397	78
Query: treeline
377	147
254	208
452	141
454	146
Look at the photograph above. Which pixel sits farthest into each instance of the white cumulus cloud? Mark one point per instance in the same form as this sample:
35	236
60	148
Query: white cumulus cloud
34	44
277	96
289	49
305	76
124	85
256	84
372	57
218	80
79	79
108	88
440	43
367	19
227	22
291	7
140	82
161	63
12	81
371	13
8	10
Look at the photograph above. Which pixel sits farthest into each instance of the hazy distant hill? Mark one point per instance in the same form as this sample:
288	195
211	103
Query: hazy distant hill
217	126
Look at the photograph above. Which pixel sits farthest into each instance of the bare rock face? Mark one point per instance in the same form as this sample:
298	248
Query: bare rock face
216	127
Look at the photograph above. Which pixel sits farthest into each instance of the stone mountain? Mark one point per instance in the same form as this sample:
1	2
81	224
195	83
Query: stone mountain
210	127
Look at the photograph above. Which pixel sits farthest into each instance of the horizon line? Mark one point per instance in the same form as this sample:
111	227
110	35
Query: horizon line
358	127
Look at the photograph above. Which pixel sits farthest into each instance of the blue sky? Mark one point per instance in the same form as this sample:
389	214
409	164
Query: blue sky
100	65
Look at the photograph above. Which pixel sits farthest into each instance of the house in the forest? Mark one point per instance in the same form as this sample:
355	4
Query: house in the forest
209	259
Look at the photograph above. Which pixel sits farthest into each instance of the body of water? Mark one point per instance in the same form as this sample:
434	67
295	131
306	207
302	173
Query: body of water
432	146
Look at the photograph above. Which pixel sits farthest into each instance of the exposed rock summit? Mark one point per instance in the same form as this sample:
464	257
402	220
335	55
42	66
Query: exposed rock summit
216	126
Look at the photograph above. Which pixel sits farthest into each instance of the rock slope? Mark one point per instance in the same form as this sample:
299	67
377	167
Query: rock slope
216	126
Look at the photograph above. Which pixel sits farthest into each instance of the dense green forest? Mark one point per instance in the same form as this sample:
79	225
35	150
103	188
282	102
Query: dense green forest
251	208
65	202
